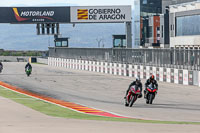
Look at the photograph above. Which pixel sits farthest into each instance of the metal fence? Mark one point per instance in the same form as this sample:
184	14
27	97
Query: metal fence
171	58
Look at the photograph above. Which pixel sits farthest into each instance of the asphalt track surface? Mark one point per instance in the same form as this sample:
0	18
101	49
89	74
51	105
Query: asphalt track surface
173	102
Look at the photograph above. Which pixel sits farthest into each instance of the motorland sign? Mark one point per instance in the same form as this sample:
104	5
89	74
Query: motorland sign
34	14
100	14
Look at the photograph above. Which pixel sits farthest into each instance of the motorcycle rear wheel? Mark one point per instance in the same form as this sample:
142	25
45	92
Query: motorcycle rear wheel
147	101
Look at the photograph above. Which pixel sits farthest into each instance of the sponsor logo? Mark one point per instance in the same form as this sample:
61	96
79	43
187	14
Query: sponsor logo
82	14
101	14
35	16
17	15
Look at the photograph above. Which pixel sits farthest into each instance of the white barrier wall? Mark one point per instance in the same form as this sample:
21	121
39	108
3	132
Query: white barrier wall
115	68
111	68
147	72
185	77
124	70
135	71
130	70
161	74
168	75
69	63
97	66
141	72
93	66
106	67
199	79
119	69
76	64
177	76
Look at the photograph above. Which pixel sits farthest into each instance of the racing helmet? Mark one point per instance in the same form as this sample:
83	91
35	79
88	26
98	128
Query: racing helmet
152	77
138	80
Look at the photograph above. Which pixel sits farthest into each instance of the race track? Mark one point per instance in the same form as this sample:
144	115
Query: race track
173	102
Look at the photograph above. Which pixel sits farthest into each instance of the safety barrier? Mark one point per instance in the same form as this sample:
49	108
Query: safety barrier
170	75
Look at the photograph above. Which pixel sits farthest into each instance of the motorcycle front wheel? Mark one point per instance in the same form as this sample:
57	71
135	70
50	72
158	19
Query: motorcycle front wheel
132	101
150	98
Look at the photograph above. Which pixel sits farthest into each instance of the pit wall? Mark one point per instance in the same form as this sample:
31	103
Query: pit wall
170	75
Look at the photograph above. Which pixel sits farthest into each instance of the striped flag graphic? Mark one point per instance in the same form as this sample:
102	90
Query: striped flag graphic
82	14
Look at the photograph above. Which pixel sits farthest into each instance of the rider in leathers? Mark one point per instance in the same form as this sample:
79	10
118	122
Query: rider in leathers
28	65
148	82
138	83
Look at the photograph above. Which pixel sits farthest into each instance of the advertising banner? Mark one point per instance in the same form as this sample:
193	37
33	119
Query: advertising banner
70	62
150	71
94	66
147	72
165	74
119	69
141	72
86	65
138	71
199	79
122	70
172	76
130	70
102	67
63	63
98	66
168	75
176	76
76	64
125	70
106	68
180	73
154	72
190	78
100	14
111	68
157	73
31	15
115	69
161	74
135	71
185	77
90	65
56	62
81	66
144	74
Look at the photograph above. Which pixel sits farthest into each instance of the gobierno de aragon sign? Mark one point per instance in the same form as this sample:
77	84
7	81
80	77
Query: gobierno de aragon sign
100	14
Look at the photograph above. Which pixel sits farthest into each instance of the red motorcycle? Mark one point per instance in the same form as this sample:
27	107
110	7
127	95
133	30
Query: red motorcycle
151	92
132	96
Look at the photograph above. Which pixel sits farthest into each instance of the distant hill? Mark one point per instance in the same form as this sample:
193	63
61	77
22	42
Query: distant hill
23	37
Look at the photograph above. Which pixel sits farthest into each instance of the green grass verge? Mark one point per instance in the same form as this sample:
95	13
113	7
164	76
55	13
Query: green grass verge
57	111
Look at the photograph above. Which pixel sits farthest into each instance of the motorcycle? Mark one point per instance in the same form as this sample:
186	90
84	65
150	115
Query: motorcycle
151	92
28	71
132	96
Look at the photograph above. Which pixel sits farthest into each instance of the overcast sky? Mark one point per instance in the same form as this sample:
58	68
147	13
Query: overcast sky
78	2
